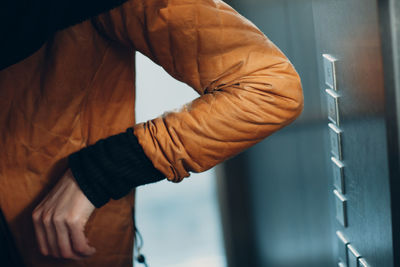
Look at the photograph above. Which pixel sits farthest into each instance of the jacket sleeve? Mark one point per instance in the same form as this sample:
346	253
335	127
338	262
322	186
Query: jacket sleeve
248	89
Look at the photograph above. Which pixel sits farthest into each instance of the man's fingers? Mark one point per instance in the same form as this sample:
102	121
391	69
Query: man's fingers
63	239
51	236
55	236
59	234
40	232
78	238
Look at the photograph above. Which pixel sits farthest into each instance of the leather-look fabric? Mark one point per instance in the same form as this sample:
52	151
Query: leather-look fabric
248	89
79	88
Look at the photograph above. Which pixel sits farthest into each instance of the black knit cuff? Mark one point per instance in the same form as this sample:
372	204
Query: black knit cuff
112	167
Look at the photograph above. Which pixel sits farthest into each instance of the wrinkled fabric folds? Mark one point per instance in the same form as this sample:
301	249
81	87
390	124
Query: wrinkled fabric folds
248	88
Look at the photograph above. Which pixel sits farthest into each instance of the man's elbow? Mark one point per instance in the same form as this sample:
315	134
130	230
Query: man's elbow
289	100
284	91
296	94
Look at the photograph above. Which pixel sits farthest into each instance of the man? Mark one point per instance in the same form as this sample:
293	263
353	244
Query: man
79	89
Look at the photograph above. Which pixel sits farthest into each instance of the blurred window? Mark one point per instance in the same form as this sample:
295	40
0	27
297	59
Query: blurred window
180	223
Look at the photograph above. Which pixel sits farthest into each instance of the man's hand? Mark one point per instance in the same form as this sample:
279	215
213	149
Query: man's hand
60	220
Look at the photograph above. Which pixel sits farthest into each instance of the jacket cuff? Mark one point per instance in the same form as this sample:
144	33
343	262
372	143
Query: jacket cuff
112	167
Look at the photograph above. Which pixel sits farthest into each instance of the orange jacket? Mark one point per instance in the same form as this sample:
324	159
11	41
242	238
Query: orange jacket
79	88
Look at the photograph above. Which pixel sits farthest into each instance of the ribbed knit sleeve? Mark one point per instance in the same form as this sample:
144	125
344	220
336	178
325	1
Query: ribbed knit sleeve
112	167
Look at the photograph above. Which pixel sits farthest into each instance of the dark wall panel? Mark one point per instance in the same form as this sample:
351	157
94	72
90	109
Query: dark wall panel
289	188
289	177
349	30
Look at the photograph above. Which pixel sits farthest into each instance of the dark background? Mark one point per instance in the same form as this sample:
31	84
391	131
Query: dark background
277	199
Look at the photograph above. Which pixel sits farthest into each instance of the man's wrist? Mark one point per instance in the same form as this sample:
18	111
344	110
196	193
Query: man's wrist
112	167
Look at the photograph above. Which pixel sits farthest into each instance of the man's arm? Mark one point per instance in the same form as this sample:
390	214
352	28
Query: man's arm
248	90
